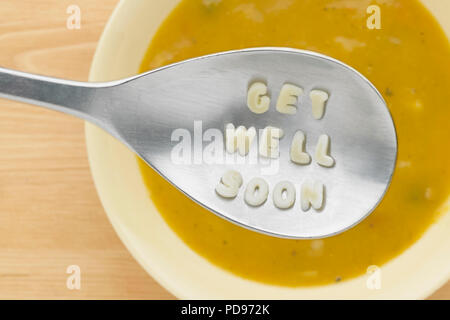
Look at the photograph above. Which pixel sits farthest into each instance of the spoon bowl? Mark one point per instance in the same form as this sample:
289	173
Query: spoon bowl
191	102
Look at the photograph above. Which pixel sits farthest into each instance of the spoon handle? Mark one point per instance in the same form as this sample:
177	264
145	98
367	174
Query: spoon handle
71	97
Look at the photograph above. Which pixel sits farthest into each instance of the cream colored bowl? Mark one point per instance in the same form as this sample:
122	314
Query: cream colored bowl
414	274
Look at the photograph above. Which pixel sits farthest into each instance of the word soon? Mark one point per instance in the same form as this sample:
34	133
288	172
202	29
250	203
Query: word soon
283	195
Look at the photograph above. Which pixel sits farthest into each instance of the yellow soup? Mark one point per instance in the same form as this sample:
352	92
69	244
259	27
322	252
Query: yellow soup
408	60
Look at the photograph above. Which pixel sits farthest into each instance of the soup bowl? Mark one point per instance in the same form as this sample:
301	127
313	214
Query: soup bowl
414	274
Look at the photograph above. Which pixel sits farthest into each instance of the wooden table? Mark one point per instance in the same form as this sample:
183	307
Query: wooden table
50	215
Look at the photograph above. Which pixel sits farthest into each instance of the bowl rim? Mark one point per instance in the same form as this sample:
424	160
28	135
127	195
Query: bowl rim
102	57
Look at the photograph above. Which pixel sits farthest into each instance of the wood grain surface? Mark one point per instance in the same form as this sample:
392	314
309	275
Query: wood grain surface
50	215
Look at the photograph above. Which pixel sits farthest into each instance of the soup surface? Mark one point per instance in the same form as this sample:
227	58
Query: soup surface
408	60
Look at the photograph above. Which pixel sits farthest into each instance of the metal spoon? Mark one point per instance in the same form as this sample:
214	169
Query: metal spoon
209	92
